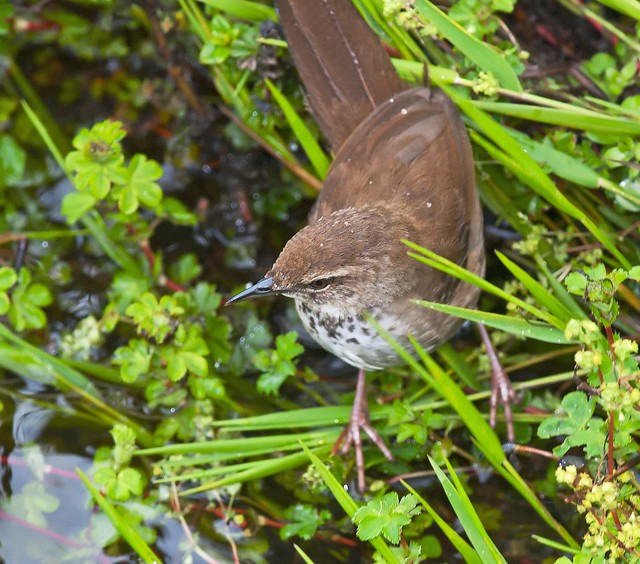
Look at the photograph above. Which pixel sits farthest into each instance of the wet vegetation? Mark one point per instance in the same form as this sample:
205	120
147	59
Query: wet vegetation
156	156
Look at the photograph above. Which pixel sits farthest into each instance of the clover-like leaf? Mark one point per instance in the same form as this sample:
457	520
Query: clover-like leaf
277	365
119	485
385	516
579	426
134	359
305	521
140	186
26	302
32	503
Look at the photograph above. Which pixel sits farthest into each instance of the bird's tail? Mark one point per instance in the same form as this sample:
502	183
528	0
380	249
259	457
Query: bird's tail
342	63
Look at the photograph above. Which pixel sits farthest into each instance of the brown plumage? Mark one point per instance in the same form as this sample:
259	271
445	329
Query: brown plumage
403	170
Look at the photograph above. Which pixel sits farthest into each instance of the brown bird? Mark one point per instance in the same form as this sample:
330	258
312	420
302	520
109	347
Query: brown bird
403	170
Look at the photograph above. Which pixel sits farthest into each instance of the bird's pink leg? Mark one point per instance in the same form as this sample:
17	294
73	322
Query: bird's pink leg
351	433
501	390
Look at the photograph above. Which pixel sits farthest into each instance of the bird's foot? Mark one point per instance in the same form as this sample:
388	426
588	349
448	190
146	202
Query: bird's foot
502	392
351	434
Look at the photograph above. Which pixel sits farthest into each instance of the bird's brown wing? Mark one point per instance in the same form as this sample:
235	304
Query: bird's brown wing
412	154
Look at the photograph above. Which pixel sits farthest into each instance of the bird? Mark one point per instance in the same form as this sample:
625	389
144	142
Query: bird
403	170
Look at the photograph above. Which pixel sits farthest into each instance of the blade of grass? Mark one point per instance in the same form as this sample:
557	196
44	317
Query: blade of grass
348	505
480	53
261	469
440	263
244	9
303	554
69	379
461	545
597	123
557	545
297	418
568	167
522	328
466	514
459	365
126	530
537	290
246	445
319	160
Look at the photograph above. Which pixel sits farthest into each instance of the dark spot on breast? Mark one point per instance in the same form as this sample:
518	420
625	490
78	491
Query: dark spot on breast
351	328
353	340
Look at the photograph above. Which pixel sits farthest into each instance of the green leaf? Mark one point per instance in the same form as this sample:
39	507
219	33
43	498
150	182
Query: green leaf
32	503
287	347
76	204
4	303
560	163
140	185
481	54
39	295
12	161
385	516
8	277
579	119
305	521
134	359
581	428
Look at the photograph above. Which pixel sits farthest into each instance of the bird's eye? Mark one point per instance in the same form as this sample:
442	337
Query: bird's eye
320	283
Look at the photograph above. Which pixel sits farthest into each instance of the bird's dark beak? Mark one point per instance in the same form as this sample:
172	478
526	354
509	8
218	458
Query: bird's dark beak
262	288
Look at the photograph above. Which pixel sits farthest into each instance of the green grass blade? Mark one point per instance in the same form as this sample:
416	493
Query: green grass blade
319	160
440	263
579	119
537	290
67	378
244	446
557	545
466	514
459	365
244	9
303	554
480	53
560	291
629	8
126	530
519	327
568	167
297	418
461	545
561	164
348	505
260	469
